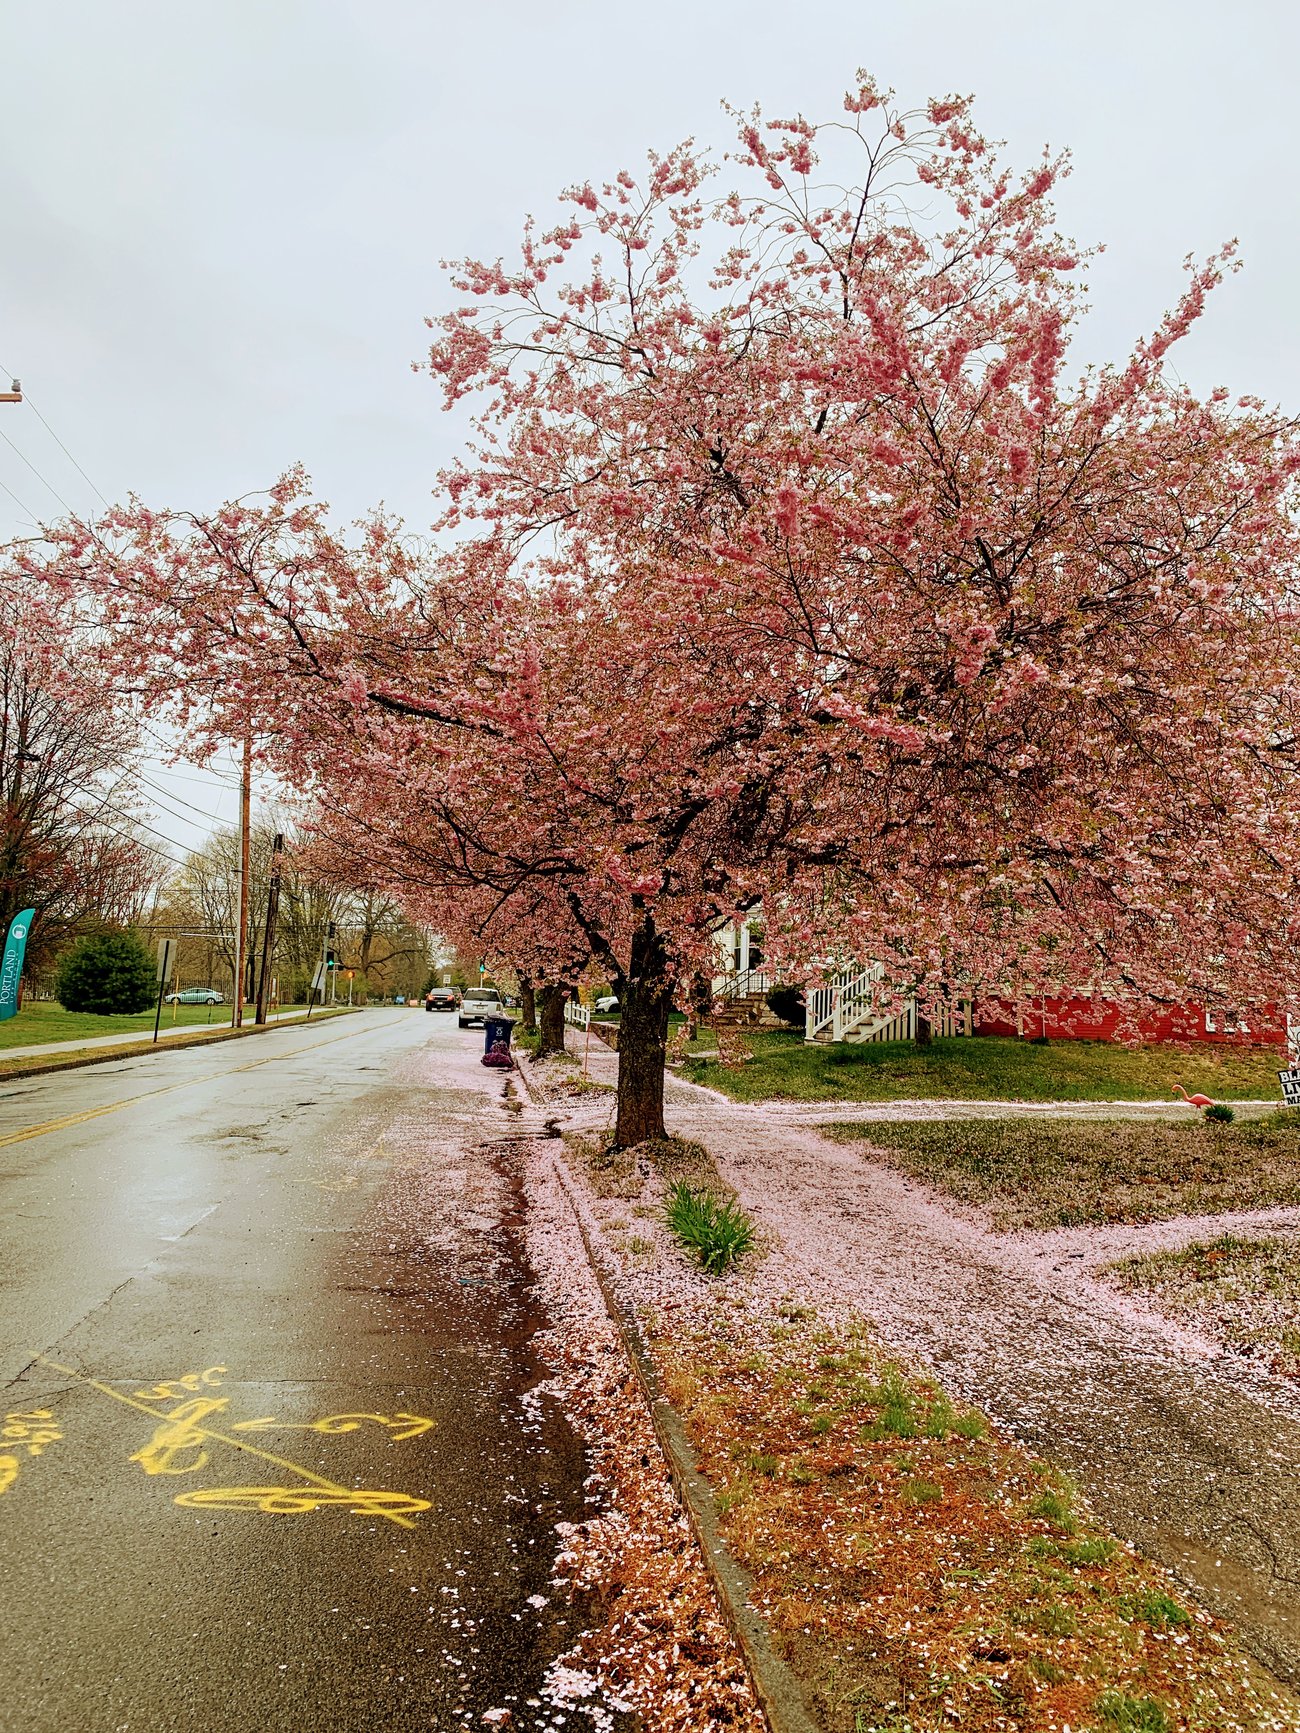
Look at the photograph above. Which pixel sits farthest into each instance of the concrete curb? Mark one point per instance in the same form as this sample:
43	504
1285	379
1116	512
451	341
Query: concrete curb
106	1055
774	1686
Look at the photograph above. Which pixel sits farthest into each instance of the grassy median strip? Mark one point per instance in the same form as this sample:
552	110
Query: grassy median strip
1243	1292
916	1571
786	1068
1044	1173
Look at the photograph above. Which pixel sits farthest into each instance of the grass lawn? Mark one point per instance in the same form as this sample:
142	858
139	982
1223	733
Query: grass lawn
1073	1173
786	1068
43	1020
1245	1293
61	1060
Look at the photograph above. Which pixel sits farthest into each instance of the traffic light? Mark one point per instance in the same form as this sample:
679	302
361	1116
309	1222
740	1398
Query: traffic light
331	960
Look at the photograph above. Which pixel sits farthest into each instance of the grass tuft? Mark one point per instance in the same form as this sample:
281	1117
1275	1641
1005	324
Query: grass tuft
1125	1714
717	1233
1155	1608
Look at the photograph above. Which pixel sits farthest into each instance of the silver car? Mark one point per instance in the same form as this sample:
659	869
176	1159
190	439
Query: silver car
478	1003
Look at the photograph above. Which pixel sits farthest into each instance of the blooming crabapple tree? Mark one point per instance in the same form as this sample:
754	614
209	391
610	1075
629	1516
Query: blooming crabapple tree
1041	633
522	756
786	562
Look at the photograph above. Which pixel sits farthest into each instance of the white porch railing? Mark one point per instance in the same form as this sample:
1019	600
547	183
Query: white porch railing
843	1003
845	1010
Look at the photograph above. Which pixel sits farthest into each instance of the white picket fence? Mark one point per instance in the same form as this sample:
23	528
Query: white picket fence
577	1015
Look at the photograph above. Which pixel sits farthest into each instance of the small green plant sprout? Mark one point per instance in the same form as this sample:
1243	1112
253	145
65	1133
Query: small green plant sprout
764	1463
897	1417
1155	1608
918	1490
1119	1713
1082	1553
1054	1506
1219	1113
717	1233
1053	1620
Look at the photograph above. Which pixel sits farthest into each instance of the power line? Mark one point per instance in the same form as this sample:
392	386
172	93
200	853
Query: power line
170	746
128	836
14	497
166	794
36	472
129	818
62	447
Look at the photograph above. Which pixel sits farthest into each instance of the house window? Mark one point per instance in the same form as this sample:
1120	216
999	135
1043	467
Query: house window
1227	1022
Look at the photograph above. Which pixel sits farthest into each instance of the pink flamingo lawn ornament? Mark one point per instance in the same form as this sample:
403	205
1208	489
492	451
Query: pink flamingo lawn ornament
1192	1100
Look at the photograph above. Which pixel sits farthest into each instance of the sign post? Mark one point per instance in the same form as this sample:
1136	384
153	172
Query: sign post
11	968
166	950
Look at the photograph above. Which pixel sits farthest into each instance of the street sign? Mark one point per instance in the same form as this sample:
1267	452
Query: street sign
166	951
1290	1081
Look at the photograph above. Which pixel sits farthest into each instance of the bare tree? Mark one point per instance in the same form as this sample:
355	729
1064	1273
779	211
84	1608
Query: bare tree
72	843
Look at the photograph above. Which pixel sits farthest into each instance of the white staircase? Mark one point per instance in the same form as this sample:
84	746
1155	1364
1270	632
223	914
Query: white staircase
741	999
845	1009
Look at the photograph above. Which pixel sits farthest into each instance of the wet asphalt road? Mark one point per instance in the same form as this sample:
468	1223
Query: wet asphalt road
273	1456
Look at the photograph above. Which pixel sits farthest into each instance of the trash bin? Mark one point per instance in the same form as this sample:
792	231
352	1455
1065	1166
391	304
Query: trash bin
496	1029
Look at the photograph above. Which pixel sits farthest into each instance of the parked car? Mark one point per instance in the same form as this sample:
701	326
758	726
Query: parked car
440	999
607	1002
477	1003
196	996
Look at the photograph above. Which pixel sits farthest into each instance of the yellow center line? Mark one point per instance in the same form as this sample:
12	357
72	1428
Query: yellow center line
213	1436
69	1119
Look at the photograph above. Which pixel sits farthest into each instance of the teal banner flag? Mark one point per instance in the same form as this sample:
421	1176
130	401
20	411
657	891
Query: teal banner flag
11	969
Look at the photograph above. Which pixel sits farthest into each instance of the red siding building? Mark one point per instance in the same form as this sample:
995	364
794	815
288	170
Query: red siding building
1100	1020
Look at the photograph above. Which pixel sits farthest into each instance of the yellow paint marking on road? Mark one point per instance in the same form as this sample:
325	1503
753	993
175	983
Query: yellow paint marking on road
173	1389
30	1430
402	1426
179	1435
71	1119
362	1501
299	1500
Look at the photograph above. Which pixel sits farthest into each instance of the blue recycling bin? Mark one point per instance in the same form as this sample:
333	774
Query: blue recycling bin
496	1029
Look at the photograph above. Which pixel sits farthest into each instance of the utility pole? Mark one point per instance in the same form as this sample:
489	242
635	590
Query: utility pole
268	935
241	925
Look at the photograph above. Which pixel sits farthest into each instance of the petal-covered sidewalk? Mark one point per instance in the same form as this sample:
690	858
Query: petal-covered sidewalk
1188	1452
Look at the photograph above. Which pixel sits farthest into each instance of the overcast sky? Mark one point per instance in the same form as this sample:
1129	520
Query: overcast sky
222	223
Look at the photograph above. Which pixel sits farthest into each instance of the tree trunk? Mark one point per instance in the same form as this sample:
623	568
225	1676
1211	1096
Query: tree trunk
553	996
924	1031
529	1006
643	1039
